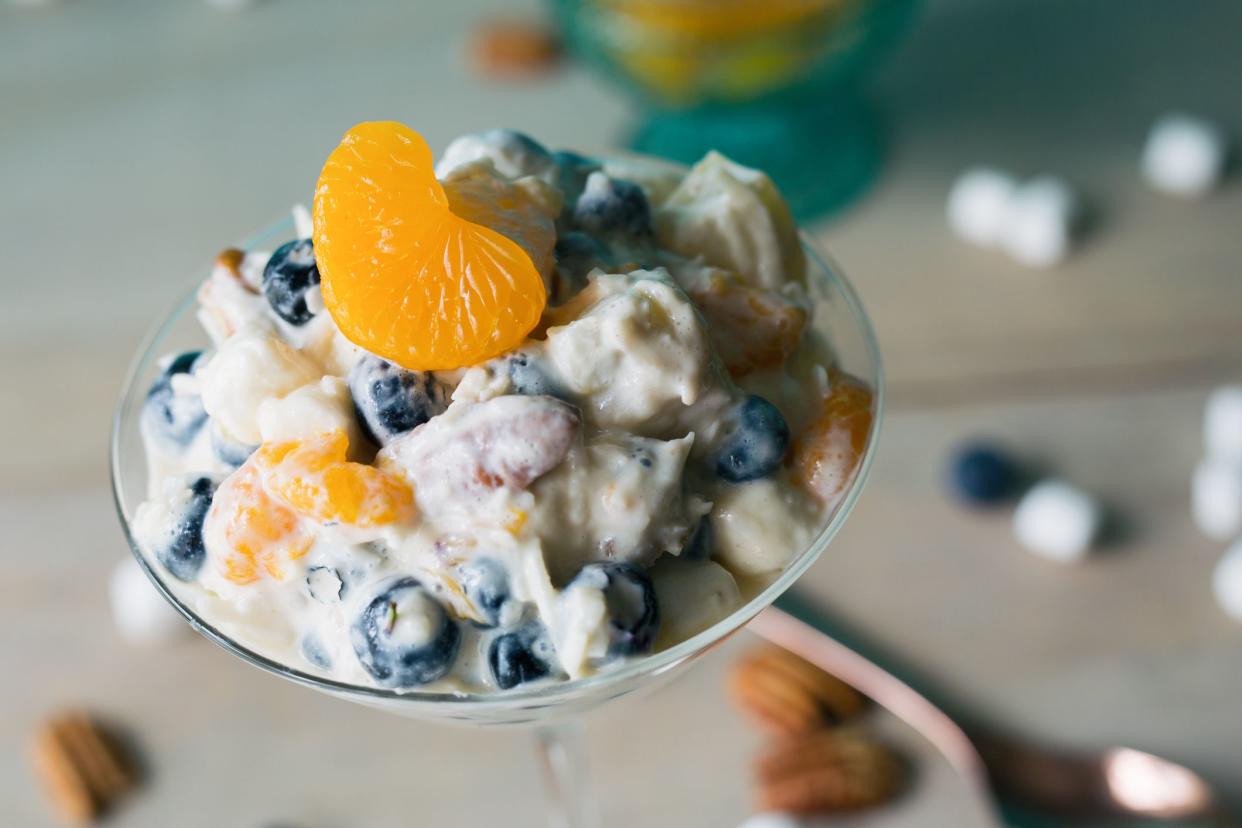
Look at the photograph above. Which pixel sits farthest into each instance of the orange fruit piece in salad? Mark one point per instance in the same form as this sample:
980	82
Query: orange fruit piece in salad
402	275
751	328
826	455
313	478
259	535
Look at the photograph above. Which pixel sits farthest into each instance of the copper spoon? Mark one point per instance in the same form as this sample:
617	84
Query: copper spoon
1007	775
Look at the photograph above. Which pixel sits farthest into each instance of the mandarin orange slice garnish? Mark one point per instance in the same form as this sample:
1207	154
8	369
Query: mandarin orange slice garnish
826	456
259	535
404	276
313	478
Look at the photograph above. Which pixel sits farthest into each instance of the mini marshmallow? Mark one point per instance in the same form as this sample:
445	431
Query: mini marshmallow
1039	223
1222	424
1216	498
141	614
1184	156
772	820
978	204
1227	582
1057	521
303	227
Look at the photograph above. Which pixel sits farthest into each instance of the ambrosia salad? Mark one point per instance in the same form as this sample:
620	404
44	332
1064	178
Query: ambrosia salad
514	417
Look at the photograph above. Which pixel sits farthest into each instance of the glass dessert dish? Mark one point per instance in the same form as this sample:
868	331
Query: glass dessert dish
551	708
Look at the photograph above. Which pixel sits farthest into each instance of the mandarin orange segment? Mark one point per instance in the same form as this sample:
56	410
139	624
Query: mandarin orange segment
313	478
402	275
826	456
259	534
751	328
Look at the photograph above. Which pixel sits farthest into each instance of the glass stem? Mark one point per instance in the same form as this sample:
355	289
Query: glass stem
562	756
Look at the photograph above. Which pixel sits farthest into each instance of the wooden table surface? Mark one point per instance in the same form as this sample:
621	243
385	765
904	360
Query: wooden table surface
137	138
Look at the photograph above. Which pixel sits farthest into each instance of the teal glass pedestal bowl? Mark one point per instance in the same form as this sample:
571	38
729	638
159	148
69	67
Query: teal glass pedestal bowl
773	84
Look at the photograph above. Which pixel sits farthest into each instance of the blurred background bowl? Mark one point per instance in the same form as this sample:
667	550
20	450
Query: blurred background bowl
775	84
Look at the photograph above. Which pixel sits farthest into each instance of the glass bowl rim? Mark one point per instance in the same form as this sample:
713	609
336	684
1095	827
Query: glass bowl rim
545	693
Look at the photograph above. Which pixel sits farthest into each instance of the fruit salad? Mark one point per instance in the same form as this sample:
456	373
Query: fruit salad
512	417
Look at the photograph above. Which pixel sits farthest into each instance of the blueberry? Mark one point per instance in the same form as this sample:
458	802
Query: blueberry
486	584
391	401
289	274
520	656
578	253
313	651
756	446
983	474
182	363
529	378
633	614
613	206
173	417
230	452
404	637
572	173
182	552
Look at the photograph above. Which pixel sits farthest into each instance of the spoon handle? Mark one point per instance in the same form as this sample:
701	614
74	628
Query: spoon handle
1006	776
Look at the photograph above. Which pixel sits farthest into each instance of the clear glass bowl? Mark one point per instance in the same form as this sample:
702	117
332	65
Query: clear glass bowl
838	315
551	708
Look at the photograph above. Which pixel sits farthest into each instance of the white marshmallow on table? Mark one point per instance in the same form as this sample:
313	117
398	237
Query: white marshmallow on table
1034	222
1040	222
1216	498
772	820
978	205
1184	156
1057	521
1222	424
1227	582
141	614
